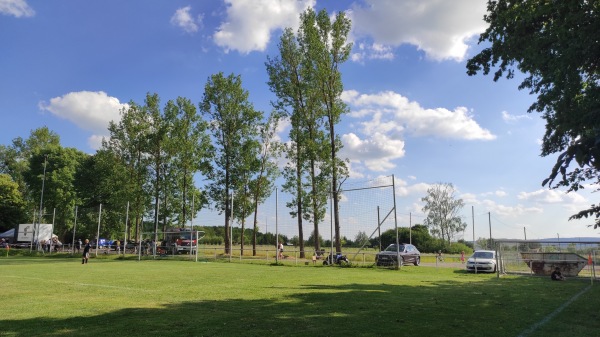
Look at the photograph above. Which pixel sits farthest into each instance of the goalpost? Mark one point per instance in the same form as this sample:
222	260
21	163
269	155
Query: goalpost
181	241
369	207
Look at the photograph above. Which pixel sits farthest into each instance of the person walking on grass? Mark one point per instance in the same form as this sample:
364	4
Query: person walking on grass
86	252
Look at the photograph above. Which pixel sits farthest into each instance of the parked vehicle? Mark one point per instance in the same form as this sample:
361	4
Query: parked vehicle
337	259
482	260
389	257
182	241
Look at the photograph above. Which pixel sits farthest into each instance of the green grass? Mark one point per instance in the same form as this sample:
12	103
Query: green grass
57	296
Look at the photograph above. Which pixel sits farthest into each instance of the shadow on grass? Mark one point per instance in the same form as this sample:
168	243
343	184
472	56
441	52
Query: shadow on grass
445	308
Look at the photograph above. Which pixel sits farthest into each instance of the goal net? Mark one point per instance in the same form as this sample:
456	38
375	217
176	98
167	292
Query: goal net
176	242
541	257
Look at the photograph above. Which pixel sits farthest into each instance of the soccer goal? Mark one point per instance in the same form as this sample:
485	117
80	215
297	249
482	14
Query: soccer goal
176	242
367	209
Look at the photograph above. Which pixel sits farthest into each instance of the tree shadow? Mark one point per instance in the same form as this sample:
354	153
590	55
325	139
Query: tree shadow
445	308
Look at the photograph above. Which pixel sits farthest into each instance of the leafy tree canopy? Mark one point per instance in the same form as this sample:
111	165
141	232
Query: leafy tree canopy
555	44
12	205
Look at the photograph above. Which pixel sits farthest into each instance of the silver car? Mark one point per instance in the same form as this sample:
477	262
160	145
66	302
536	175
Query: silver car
482	260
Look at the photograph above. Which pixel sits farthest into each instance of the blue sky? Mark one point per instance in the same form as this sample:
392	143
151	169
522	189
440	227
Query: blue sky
414	113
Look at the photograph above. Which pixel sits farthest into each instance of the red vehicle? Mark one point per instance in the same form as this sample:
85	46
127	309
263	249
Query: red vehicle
182	240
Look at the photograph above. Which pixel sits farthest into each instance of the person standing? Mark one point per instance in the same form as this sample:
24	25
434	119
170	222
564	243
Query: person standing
78	245
86	252
462	257
280	249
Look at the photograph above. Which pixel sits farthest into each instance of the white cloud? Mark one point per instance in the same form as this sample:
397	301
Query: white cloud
17	8
500	193
513	118
572	201
512	210
543	196
403	189
373	51
440	28
91	111
392	113
376	153
249	23
184	20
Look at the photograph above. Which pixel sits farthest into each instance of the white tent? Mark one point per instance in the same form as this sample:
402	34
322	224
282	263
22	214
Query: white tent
8	234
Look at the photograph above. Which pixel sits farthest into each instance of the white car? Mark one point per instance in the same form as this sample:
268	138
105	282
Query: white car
482	260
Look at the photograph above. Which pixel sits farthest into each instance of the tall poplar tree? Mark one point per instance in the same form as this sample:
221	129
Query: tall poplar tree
190	146
233	122
128	142
262	185
327	48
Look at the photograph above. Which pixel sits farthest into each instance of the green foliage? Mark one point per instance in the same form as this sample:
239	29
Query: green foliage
307	82
234	124
59	193
12	205
555	45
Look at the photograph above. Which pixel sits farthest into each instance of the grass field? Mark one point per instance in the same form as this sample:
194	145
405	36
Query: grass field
57	296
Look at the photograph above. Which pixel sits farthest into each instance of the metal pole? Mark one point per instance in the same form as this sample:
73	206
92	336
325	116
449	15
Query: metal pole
379	228
473	217
490	222
331	225
74	231
52	231
276	226
410	228
33	224
141	237
231	229
398	257
98	233
126	222
155	238
525	233
42	198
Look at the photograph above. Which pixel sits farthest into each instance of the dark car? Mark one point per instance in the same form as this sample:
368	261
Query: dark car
408	253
